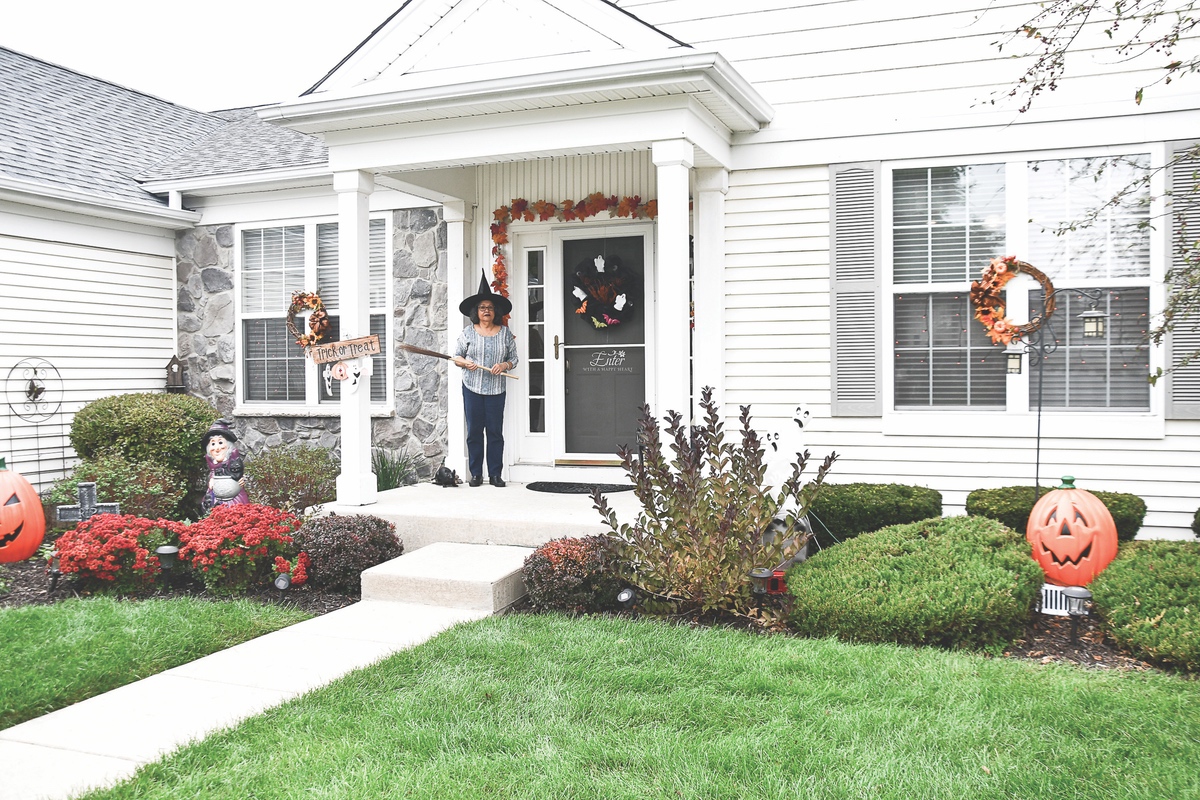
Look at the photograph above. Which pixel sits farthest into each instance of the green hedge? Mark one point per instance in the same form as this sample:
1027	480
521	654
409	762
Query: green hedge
1013	504
844	510
954	582
1149	596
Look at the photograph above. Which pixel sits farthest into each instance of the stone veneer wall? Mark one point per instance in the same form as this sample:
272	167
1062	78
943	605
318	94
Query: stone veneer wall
205	311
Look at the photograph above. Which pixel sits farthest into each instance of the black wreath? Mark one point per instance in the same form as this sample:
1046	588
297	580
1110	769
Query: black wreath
603	290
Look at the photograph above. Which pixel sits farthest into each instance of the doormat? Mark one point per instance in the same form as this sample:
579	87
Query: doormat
562	487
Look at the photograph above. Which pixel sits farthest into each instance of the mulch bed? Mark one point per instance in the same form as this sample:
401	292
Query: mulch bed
1047	640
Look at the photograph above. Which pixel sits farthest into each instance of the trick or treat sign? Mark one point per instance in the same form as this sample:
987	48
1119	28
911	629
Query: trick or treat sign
342	360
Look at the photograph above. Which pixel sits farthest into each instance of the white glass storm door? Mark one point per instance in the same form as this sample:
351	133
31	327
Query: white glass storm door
599	338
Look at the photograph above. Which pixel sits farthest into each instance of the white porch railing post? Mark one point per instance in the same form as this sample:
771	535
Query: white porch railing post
356	482
673	160
708	292
456	216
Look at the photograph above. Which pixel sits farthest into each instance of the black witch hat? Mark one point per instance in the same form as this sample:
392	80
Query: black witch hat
502	303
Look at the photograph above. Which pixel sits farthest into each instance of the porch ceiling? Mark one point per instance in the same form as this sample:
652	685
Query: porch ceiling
703	82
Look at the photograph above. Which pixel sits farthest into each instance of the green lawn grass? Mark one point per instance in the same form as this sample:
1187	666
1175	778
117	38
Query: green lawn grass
56	655
551	707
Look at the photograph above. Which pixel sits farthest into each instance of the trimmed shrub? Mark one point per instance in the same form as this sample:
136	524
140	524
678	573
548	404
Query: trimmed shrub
844	510
115	552
570	574
143	488
1013	504
236	545
340	548
149	427
293	478
1149	596
953	582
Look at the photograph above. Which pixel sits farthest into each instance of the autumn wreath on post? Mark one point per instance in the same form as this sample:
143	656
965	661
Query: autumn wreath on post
989	303
318	320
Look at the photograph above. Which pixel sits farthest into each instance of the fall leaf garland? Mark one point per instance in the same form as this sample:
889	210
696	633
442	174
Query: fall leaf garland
542	211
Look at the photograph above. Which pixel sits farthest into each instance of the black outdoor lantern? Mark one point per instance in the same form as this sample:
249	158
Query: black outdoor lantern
1014	353
1077	600
175	375
168	557
1093	322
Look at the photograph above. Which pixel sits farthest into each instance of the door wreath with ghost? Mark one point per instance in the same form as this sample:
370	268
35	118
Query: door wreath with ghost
604	288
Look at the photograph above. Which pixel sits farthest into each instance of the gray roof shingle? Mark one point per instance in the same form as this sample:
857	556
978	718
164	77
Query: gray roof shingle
61	128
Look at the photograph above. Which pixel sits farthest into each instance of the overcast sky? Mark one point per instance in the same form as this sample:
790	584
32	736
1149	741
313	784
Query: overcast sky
209	54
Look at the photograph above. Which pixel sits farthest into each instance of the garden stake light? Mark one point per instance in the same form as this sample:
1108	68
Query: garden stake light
627	599
759	576
1077	600
55	571
168	557
283	582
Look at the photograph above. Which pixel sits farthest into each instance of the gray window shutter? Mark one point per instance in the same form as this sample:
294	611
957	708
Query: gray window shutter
855	261
1183	385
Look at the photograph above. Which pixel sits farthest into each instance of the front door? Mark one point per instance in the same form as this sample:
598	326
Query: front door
589	302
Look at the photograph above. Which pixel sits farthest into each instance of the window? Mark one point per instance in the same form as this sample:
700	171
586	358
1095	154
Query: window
947	222
276	261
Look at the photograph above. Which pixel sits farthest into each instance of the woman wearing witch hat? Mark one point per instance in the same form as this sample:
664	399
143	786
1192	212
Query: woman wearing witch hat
485	350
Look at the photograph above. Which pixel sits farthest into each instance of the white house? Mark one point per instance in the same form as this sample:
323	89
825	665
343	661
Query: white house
826	181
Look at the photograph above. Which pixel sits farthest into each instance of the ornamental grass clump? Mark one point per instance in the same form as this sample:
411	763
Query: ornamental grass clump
236	545
1149	596
705	521
953	582
340	547
115	552
571	574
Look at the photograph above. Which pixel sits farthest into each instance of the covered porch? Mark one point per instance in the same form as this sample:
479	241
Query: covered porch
648	121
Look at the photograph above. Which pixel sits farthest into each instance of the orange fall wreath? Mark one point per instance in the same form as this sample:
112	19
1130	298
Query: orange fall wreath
318	320
988	301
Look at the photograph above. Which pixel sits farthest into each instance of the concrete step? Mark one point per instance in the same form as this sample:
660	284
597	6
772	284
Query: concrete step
479	577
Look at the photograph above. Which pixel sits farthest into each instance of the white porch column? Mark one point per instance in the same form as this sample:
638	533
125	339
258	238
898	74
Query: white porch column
356	483
456	216
708	292
674	159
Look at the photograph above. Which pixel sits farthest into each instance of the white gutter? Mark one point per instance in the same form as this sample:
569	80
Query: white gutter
203	183
58	198
315	115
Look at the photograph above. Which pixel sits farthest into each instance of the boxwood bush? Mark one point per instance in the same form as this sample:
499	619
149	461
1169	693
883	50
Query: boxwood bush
341	547
143	489
1013	504
1149	596
569	574
954	582
844	510
148	427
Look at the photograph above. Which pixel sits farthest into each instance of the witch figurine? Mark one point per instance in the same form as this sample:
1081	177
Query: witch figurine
226	468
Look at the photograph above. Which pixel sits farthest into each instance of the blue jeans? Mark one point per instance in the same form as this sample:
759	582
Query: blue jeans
485	415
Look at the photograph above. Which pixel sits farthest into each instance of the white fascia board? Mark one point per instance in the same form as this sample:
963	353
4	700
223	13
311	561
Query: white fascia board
203	185
625	125
61	199
322	114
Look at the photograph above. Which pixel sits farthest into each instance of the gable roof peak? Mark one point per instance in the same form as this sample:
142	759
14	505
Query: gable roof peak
426	40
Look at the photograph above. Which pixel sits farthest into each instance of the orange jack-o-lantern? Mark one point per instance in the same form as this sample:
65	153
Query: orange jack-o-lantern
1073	535
22	521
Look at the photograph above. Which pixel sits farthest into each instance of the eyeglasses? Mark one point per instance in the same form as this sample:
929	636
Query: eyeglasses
486	308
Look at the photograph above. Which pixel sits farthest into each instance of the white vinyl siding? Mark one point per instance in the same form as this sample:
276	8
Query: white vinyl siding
277	261
103	318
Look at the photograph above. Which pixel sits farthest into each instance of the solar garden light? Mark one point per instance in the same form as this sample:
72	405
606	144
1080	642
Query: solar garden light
283	582
1077	600
759	576
55	571
627	599
168	557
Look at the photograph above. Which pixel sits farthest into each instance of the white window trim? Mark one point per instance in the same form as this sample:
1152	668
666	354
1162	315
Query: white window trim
311	407
1020	418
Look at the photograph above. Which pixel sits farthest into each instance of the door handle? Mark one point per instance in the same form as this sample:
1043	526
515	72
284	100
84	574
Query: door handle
556	346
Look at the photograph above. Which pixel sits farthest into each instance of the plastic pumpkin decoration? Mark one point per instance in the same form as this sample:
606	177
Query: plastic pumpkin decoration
1073	535
22	521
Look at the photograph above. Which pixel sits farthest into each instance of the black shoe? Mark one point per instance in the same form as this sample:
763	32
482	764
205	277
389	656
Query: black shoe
476	480
496	480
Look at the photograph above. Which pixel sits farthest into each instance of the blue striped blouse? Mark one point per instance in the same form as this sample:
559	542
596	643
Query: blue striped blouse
486	351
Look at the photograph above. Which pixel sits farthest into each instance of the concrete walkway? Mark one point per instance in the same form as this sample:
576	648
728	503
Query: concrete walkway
103	740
